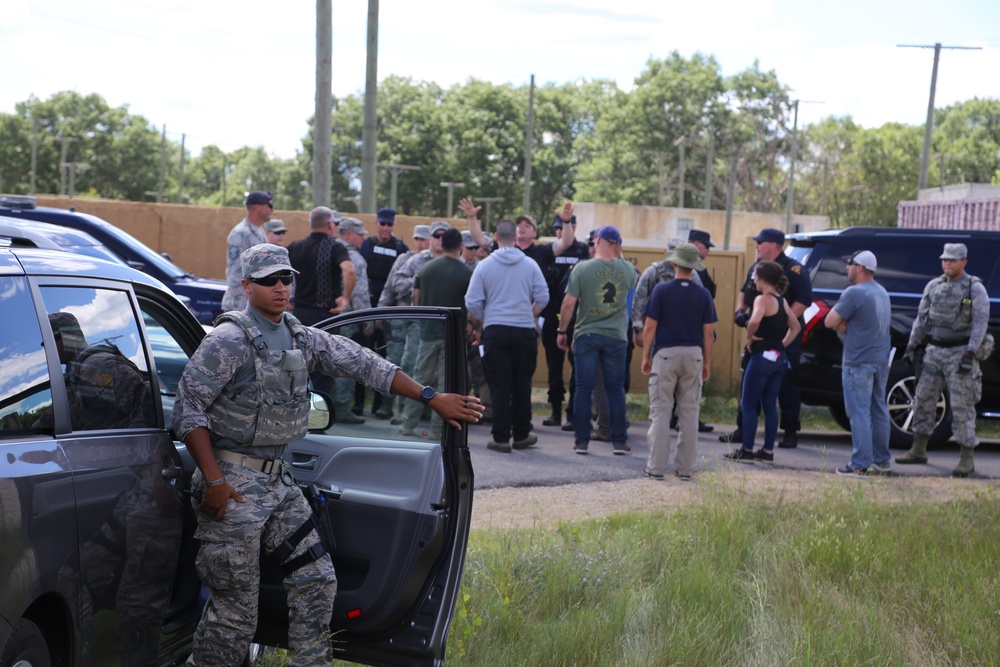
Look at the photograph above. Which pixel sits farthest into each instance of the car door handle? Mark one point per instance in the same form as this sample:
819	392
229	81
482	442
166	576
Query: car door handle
308	464
171	472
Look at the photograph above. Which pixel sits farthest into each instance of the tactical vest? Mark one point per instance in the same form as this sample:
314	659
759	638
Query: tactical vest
276	411
950	311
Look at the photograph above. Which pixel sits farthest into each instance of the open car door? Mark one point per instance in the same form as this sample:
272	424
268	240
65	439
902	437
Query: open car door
398	506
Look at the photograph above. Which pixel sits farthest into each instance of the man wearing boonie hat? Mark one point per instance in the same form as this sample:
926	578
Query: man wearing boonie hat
952	321
246	233
861	316
600	286
242	398
677	355
770	245
275	231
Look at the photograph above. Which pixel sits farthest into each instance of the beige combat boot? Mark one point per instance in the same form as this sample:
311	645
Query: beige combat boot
965	465
918	452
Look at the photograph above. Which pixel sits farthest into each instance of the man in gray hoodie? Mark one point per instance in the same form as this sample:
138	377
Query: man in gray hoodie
505	295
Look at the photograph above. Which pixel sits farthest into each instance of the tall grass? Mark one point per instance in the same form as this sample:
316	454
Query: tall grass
842	580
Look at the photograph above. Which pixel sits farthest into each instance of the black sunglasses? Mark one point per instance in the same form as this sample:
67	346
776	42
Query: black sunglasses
386	224
272	280
437	235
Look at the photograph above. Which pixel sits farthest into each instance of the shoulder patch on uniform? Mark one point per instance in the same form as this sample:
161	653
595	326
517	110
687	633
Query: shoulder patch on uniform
796	269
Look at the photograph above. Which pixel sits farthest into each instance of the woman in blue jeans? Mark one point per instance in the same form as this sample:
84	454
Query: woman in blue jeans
772	326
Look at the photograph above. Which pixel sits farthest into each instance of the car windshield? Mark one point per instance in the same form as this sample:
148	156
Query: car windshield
148	254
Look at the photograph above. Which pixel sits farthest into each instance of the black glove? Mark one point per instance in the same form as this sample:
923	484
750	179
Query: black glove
965	365
741	318
908	355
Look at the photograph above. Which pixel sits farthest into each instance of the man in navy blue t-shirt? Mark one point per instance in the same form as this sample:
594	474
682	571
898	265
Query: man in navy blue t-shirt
677	351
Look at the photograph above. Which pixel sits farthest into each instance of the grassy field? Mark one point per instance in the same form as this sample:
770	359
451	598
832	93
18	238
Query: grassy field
841	581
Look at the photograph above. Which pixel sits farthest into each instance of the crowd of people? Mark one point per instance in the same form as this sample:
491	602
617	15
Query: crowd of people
244	395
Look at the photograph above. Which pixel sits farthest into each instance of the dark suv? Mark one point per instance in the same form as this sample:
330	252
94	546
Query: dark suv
205	294
907	260
97	532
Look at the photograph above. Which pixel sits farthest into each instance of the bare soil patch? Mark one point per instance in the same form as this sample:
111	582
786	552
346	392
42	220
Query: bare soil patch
546	506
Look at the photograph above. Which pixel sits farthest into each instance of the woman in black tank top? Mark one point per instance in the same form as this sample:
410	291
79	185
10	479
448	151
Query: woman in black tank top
772	326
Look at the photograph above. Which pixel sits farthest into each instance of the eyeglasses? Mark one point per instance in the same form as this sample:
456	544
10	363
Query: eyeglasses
383	223
272	280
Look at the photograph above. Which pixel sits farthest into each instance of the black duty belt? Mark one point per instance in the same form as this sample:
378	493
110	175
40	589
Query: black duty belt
954	342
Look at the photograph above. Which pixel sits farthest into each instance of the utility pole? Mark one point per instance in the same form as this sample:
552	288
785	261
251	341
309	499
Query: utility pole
356	200
529	137
791	170
730	190
72	167
394	171
488	201
62	161
929	125
180	176
451	185
35	122
681	142
369	134
224	179
323	121
660	156
709	170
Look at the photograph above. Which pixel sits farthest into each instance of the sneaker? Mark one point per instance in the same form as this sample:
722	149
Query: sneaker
735	436
623	450
682	477
741	455
652	475
848	471
600	436
763	457
525	442
881	470
580	449
498	446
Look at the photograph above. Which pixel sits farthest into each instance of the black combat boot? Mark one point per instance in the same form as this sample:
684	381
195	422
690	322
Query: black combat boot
556	418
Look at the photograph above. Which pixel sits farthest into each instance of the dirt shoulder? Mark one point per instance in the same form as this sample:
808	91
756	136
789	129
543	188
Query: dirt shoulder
546	506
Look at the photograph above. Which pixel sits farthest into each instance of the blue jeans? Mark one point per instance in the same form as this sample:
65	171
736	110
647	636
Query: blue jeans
589	352
864	398
761	384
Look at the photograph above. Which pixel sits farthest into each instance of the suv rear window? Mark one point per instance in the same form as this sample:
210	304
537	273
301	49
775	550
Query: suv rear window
910	264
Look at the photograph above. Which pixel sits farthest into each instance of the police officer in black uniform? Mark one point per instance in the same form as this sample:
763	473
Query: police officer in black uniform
770	243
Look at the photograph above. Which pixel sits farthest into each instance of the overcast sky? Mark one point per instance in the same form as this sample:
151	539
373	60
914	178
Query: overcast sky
243	73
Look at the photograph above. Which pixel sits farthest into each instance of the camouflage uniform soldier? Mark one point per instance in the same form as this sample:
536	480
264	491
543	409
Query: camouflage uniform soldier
952	319
242	398
352	235
249	232
394	294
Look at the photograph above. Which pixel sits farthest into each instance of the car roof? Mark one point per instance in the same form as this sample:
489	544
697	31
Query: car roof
853	233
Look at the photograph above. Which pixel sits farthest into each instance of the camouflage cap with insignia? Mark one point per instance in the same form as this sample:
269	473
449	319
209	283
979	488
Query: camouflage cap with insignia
263	260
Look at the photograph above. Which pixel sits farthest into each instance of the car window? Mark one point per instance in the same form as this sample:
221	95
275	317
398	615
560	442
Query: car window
104	365
168	355
418	347
903	268
25	393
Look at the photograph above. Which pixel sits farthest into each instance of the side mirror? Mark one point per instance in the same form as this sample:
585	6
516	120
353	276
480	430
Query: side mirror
320	414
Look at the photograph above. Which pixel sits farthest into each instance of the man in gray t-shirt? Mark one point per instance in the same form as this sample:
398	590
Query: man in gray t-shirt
861	316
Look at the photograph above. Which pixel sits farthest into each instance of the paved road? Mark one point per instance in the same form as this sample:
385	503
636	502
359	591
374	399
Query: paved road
553	462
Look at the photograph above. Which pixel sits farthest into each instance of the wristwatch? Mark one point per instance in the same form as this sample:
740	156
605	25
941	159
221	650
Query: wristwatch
427	393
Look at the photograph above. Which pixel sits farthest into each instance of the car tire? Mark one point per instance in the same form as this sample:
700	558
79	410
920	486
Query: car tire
899	392
26	647
839	414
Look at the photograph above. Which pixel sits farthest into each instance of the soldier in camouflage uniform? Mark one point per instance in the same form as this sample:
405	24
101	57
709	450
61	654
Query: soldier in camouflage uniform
952	320
400	286
242	398
249	232
352	235
391	296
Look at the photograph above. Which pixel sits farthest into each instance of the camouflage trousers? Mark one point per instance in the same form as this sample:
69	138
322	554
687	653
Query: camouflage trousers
406	341
229	565
941	370
429	371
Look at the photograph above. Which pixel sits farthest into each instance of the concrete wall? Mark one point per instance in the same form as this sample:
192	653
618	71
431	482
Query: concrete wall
195	236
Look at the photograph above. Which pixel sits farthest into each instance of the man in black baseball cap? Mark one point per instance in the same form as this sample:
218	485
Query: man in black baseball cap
249	232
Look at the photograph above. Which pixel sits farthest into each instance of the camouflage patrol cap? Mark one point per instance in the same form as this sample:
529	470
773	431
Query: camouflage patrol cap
673	242
422	232
439	226
352	225
955	251
263	260
468	241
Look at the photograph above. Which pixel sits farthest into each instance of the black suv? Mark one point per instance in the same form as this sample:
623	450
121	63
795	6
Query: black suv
97	532
907	260
205	294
